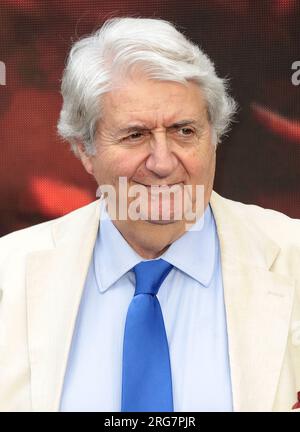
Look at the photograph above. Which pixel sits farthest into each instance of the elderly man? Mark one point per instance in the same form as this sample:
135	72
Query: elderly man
146	300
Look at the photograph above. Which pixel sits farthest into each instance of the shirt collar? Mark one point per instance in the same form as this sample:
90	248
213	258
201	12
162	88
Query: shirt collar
193	253
113	256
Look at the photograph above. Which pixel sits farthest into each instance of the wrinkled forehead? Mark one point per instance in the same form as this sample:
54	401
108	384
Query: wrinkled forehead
154	102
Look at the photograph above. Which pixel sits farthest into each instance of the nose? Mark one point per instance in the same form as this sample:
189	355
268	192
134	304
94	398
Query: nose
161	161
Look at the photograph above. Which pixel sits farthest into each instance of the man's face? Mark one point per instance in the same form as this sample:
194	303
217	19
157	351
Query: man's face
154	133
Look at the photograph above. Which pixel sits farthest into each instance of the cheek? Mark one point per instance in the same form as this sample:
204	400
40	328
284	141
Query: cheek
200	164
114	163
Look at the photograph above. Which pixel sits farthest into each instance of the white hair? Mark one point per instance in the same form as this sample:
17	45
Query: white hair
154	47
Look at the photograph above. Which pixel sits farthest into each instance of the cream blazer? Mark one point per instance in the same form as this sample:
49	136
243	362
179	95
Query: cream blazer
42	274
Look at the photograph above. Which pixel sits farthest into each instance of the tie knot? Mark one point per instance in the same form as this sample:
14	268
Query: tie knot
150	275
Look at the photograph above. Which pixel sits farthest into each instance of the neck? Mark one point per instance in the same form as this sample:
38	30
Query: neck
150	240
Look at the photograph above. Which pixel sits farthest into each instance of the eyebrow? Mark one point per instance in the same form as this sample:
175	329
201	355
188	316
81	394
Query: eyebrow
141	127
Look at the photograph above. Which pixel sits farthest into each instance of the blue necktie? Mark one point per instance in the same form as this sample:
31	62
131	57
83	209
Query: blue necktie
146	380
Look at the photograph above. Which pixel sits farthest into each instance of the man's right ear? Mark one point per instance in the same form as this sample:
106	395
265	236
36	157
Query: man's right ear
85	159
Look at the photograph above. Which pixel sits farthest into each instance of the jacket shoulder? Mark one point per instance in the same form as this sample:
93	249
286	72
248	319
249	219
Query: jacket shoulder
281	228
39	236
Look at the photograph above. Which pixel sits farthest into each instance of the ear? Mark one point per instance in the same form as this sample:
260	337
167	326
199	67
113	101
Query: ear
86	160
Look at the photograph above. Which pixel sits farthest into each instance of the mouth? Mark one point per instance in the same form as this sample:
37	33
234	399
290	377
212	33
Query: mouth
160	186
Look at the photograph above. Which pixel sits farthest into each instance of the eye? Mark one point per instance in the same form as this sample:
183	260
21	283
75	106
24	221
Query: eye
135	136
186	131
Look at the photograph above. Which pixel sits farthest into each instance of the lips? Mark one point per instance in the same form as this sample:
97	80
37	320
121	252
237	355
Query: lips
161	186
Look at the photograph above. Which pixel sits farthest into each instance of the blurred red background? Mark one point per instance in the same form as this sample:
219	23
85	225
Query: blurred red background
254	43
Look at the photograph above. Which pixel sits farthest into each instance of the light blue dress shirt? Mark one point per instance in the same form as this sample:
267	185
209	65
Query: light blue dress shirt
192	303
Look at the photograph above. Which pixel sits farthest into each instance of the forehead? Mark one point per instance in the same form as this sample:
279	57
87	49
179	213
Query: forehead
154	101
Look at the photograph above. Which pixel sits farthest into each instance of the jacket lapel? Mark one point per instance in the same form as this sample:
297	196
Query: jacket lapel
54	284
258	306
